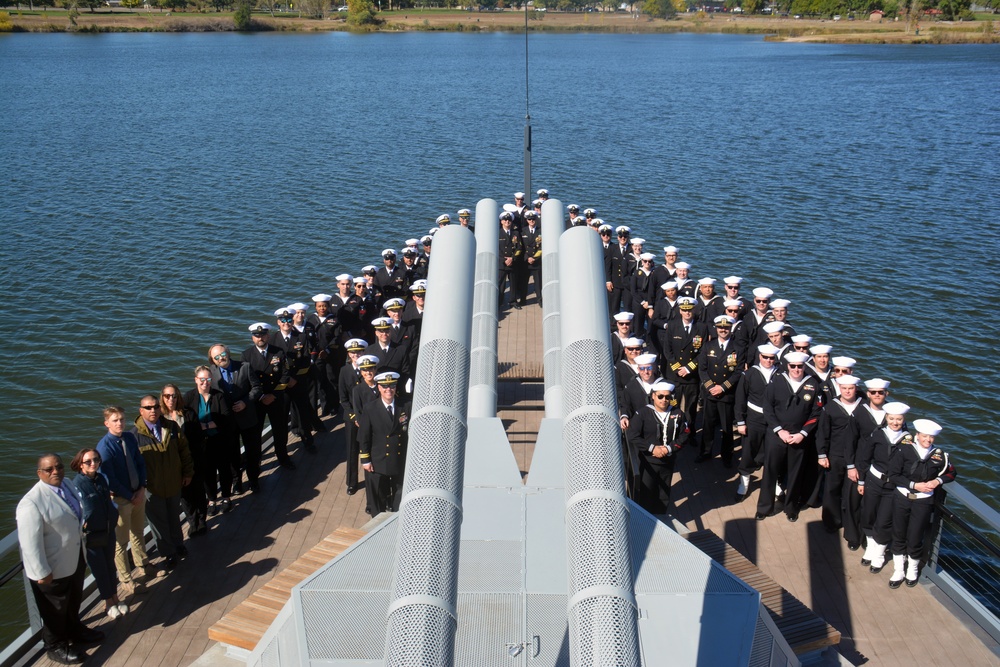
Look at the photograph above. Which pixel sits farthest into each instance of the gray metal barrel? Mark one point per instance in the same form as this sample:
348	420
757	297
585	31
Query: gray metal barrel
422	617
602	611
483	371
553	225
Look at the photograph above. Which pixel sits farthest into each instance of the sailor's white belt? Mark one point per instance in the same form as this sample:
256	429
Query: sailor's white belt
912	495
875	473
755	407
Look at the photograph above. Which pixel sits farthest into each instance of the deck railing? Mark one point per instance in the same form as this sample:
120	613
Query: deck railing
29	638
965	558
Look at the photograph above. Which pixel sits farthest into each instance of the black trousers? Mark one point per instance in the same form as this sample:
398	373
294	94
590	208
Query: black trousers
303	413
277	414
910	521
507	274
687	399
219	471
781	459
353	451
250	459
654	485
752	453
717	415
841	501
388	490
876	510
59	606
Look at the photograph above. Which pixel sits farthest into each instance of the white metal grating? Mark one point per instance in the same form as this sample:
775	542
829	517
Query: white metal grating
413	637
442	358
344	625
428	464
593	621
488	624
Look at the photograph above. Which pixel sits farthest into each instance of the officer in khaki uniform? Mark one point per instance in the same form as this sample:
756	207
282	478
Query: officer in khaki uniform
382	436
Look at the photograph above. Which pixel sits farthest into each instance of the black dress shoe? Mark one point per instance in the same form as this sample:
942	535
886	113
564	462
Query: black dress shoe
88	636
517	306
793	517
351	490
760	517
910	583
288	465
170	563
238	487
702	457
254	487
876	570
865	562
727	463
853	546
182	551
66	655
310	447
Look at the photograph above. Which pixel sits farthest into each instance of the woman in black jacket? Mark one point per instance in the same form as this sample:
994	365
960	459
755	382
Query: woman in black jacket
99	519
213	415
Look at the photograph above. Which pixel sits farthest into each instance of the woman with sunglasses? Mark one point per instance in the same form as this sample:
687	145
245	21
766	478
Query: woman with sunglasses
173	408
213	415
99	517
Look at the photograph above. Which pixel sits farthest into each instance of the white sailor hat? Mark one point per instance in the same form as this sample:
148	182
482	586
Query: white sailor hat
394	304
506	215
763	292
370	268
732	280
682	265
670	284
282	312
518	195
705	281
732	303
509	208
344	276
381	323
896	408
624	316
801	338
847	379
604	228
926	426
259	328
843	362
426	240
637	241
589	212
298	305
622	230
820	349
356	345
876	383
418	286
572	208
386	379
724	321
647	256
413	243
767	349
408	252
633	342
464	213
388	252
645	359
685	303
542	193
322	297
795	358
669	249
360	280
597	222
780	303
367	361
432	231
662	385
773	327
443	219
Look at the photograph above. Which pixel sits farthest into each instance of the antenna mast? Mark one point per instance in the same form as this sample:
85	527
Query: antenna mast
527	113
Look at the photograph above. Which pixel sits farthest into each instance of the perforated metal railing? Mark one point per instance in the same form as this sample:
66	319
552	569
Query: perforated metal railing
601	608
422	616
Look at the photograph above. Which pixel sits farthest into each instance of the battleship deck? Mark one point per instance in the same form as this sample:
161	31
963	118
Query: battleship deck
267	532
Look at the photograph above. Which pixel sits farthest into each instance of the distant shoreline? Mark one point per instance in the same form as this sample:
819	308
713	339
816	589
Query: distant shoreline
780	29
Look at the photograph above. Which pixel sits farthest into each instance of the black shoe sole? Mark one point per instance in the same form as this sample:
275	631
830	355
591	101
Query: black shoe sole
895	584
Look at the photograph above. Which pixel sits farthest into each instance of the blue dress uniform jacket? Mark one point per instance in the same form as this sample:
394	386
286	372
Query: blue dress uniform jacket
390	283
682	350
716	367
269	367
382	438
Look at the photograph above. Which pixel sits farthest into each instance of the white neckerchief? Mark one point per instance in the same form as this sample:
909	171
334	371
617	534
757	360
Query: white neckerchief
921	452
893	436
795	384
849	409
876	414
768	373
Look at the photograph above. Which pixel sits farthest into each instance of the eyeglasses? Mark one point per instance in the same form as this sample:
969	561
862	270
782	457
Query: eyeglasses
286	320
168	395
877	392
801	348
52	469
760	300
839	371
796	365
661	396
732	286
220	357
258	335
723	327
768	357
624	324
149	407
605	233
208	379
92	462
633	349
645	368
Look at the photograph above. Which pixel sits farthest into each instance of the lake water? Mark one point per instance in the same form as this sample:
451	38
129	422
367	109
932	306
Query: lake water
161	192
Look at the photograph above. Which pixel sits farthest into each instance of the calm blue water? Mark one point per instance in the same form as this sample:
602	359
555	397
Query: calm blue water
161	192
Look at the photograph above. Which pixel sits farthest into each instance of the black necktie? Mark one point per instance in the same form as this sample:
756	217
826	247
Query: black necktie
389	408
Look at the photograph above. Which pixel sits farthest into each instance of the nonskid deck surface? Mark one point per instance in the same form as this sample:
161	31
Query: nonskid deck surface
268	532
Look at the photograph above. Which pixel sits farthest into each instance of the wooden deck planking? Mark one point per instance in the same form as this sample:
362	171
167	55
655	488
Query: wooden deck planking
269	531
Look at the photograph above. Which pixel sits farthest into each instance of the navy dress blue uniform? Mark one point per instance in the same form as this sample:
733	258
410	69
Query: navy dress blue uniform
647	429
837	439
875	454
795	410
271	370
749	412
298	355
361	395
329	357
511	247
532	239
911	509
683	345
616	266
391	283
718	367
382	438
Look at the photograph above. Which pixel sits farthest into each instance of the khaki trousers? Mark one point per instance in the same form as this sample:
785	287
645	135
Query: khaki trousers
131	524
